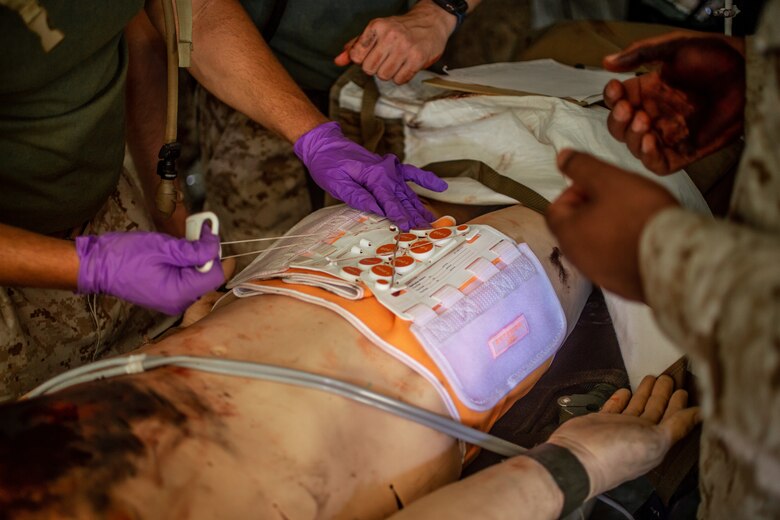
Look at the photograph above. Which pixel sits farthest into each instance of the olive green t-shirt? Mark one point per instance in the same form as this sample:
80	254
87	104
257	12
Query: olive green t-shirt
313	32
62	113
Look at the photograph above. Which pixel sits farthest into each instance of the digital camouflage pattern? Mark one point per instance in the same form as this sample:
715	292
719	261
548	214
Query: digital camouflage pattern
254	182
45	331
715	289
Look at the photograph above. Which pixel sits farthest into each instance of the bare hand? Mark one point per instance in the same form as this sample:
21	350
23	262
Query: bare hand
398	47
631	435
689	107
599	219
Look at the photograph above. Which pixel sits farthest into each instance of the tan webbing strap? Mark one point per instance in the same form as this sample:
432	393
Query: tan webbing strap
372	128
486	175
184	15
37	20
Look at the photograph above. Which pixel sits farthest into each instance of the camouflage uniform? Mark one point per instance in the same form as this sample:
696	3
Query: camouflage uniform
45	331
715	289
254	182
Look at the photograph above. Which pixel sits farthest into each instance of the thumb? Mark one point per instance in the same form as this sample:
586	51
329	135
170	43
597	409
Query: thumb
186	253
579	167
583	169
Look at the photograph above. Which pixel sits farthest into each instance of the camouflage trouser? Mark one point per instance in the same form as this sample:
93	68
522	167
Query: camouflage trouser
254	182
45	331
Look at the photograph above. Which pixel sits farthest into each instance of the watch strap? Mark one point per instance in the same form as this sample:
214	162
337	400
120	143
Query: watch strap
567	471
457	8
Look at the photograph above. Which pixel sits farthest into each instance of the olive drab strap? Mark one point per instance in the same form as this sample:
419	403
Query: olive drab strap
37	20
184	14
489	177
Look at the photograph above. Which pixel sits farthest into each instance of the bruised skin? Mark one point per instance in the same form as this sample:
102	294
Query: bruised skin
179	443
63	454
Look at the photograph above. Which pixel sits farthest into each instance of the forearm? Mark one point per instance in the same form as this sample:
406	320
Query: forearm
519	488
232	61
709	281
31	260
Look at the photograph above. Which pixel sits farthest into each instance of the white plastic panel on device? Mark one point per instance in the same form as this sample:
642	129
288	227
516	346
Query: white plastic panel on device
427	268
484	337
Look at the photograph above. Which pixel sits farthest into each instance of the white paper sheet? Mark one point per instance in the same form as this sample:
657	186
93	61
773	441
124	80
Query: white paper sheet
544	77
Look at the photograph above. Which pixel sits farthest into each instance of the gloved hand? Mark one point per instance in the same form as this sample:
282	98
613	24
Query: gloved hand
149	269
628	438
364	180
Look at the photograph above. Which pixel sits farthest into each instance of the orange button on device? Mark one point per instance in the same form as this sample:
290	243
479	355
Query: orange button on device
350	272
404	264
381	271
367	263
385	250
404	239
421	250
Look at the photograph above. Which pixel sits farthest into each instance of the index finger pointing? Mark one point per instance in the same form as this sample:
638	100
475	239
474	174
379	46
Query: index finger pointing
364	44
343	59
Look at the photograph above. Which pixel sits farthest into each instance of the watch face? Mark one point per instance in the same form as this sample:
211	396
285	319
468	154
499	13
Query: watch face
458	7
461	6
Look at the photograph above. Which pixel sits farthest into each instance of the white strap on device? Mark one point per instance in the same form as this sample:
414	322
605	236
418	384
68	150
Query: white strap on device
194	225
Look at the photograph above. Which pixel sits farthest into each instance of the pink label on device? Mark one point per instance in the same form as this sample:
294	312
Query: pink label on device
508	336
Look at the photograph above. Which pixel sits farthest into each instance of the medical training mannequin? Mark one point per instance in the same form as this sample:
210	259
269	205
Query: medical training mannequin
180	443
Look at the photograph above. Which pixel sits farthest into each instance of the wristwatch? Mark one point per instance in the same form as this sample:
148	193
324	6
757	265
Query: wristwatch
458	8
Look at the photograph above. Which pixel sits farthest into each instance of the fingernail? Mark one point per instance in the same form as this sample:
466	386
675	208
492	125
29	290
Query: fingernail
638	125
647	146
621	113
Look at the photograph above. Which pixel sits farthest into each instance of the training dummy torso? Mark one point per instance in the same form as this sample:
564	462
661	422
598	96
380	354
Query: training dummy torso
211	446
464	306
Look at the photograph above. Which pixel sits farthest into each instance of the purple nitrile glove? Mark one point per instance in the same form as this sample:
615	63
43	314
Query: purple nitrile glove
365	180
149	269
